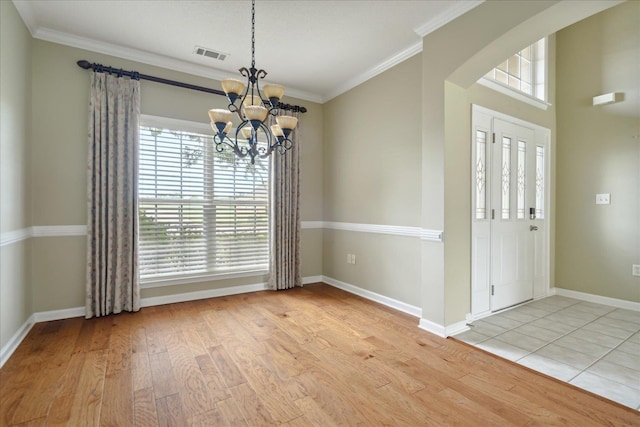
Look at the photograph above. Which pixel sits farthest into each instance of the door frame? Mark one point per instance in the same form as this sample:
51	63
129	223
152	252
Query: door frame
482	119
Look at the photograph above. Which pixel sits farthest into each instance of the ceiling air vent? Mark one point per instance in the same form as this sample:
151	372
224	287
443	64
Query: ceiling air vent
210	53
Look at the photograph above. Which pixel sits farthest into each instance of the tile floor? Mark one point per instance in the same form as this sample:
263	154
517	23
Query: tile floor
592	346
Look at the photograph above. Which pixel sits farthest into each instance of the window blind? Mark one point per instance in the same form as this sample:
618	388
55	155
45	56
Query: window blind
201	212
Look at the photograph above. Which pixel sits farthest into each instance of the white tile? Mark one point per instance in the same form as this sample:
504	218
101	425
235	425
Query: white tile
596	337
486	328
582	346
566	320
618	324
577	314
617	373
533	311
607	388
560	301
569	357
628	360
628	315
608	330
553	325
629	347
635	338
522	341
589	307
542	305
504	322
538	332
550	367
503	349
471	337
515	314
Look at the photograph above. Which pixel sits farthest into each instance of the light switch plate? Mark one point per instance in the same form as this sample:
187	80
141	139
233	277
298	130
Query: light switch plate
603	199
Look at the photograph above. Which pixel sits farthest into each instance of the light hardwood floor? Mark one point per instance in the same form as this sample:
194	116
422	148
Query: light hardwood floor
310	356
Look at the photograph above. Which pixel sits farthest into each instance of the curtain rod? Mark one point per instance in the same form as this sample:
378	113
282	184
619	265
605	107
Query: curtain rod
99	68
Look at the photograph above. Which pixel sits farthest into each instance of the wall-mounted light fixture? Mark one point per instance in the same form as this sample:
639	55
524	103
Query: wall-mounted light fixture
607	98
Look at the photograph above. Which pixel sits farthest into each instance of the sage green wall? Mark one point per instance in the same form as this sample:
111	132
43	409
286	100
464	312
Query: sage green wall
599	152
15	67
60	103
372	176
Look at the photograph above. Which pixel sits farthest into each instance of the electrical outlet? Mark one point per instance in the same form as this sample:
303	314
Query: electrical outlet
603	199
353	259
635	270
348	258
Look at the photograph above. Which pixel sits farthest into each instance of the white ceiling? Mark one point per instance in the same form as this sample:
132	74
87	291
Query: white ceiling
317	49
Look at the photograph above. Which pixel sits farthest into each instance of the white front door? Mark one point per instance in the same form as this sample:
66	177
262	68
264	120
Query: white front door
509	241
512	198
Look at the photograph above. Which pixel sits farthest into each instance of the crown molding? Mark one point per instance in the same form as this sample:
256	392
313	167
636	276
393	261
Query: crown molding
454	11
25	10
388	63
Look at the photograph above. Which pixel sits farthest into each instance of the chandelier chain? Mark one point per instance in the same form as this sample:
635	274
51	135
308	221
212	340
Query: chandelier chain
253	33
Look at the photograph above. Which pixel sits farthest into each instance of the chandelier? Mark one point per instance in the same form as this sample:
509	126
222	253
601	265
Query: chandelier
245	99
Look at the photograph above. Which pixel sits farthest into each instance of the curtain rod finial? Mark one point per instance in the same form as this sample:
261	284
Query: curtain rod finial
84	64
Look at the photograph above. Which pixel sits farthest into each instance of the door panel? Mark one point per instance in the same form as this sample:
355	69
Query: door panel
512	195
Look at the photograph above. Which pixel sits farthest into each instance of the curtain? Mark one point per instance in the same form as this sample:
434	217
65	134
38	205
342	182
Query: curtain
112	181
284	225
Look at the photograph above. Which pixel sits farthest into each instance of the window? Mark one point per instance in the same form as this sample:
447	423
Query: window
523	73
202	213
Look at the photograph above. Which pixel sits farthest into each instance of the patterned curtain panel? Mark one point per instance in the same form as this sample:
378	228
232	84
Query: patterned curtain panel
112	177
284	224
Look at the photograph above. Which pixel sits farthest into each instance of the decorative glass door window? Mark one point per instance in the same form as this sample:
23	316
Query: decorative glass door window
522	167
540	182
481	174
506	177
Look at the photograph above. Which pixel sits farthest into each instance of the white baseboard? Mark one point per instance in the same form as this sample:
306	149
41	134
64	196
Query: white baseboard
598	299
456	328
7	350
67	313
381	299
443	331
312	279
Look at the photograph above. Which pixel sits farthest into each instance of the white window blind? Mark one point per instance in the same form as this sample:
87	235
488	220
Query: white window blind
201	212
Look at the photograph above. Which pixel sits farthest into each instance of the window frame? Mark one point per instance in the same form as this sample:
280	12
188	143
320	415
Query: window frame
540	73
186	278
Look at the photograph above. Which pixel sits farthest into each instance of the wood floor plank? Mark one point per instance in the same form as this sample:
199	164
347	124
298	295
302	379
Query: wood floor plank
307	356
88	398
215	379
163	378
60	412
170	412
120	350
226	365
31	406
117	401
251	406
230	412
144	408
192	386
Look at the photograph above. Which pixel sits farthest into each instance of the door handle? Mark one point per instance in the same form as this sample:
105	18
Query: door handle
533	228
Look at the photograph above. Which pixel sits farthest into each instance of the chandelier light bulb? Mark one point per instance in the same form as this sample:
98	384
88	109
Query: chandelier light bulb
276	131
219	115
246	132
